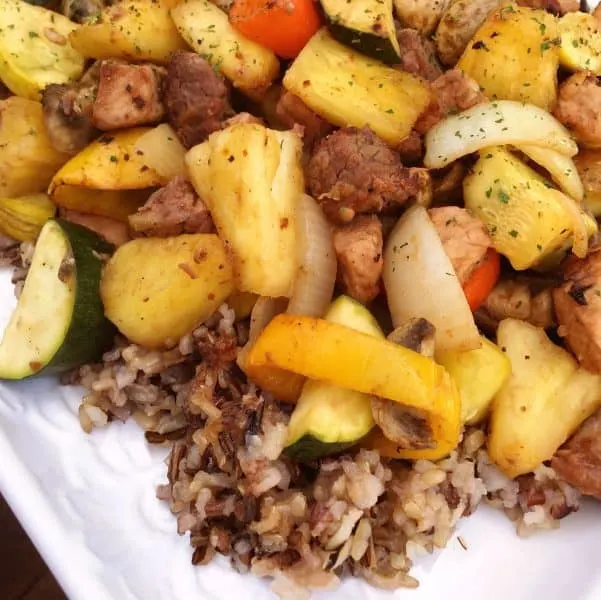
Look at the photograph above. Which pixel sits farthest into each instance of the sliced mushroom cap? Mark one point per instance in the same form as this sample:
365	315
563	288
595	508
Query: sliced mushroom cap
415	334
406	426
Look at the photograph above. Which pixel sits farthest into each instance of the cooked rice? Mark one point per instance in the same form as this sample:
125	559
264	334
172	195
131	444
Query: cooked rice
305	525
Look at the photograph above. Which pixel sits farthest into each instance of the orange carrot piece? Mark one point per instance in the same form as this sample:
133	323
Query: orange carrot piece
284	26
483	279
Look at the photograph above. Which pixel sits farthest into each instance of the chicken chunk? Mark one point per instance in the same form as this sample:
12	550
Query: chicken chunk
291	111
463	237
172	210
197	99
511	299
128	95
352	171
418	55
578	308
579	460
579	108
454	91
358	248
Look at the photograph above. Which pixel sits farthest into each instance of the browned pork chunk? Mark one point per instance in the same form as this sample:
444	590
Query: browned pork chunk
579	460
291	111
172	210
454	91
464	238
578	309
197	99
128	95
358	248
418	55
579	108
68	112
111	95
353	171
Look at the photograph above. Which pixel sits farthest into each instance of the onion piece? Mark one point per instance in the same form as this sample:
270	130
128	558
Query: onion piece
315	259
579	228
264	310
495	124
420	282
163	152
560	167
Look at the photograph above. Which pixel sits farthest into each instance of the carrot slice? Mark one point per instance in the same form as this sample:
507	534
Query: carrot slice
483	279
284	26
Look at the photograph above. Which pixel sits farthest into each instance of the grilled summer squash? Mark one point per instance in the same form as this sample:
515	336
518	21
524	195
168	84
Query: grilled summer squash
59	322
34	48
349	88
108	178
366	25
328	419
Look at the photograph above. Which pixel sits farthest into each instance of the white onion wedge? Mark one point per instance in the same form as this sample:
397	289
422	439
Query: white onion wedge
264	310
579	229
560	167
495	124
315	261
163	152
420	282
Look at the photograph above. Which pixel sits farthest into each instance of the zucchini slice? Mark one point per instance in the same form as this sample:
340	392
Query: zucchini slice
59	322
366	25
328	419
348	88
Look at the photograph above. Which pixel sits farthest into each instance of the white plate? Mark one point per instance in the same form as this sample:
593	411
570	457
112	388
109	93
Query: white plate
88	503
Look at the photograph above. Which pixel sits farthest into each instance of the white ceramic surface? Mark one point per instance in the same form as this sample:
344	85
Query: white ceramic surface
88	503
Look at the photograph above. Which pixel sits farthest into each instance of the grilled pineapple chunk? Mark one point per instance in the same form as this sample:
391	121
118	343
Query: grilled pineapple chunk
250	178
248	65
525	217
348	88
544	401
514	56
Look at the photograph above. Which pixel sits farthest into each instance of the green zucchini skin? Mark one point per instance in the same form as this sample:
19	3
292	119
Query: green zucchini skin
90	332
366	26
309	448
323	409
371	44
